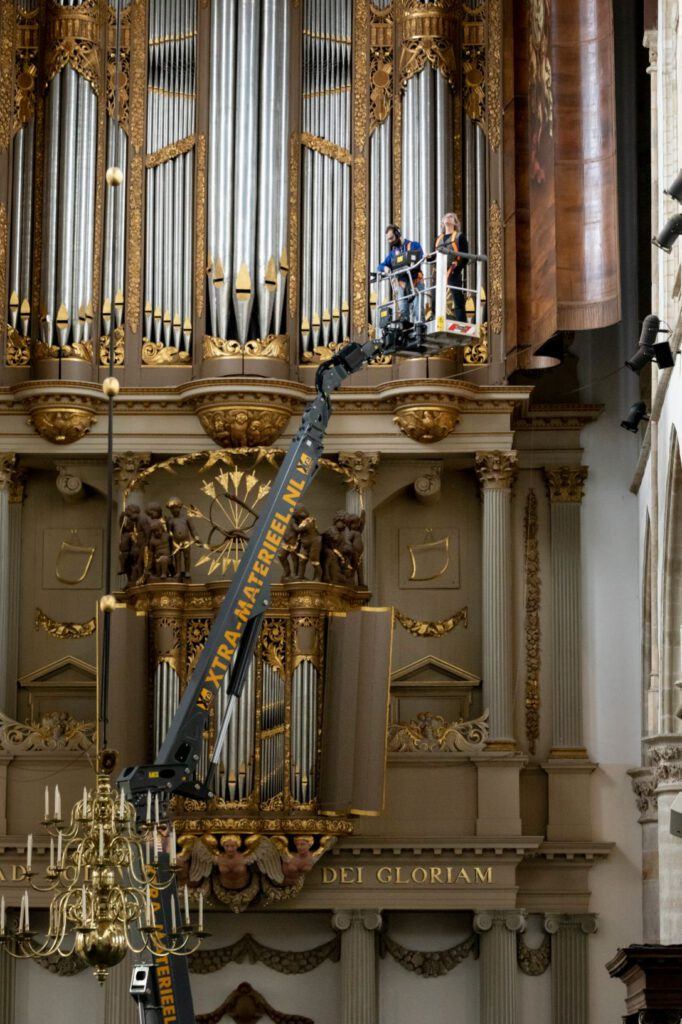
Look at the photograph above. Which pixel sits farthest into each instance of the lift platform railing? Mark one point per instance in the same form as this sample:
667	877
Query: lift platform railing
420	291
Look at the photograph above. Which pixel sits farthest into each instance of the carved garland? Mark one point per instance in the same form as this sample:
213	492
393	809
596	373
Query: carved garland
429	964
433	629
533	962
207	961
496	267
64	630
532	624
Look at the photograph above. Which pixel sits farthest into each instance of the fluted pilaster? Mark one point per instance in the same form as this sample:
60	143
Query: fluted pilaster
359	965
565	485
496	472
119	1005
11	497
499	971
569	936
361	468
7	983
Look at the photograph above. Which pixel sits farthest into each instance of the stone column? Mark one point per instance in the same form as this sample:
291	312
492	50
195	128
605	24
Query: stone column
565	486
362	468
359	965
499	972
11	498
569	970
496	471
665	760
7	983
119	1005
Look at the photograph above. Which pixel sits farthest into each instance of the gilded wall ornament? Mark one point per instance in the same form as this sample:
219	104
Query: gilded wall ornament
431	963
428	732
63	630
432	629
476	354
216	348
118	86
61	424
56	730
80	350
200	225
134	276
496	470
155	353
294	177
532	620
7	22
566	484
273	346
325	147
496	268
17	348
169	152
243	426
427	423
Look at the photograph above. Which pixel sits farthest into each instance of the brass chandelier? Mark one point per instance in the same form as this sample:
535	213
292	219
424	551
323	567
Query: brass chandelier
106	878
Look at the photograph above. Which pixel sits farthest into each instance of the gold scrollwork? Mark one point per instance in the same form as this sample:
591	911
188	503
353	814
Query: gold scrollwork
325	147
79	350
64	630
426	424
200	226
3	270
119	347
494	74
294	158
169	152
7	21
476	354
214	348
532	620
155	353
433	629
138	70
274	346
135	244
496	267
429	732
73	37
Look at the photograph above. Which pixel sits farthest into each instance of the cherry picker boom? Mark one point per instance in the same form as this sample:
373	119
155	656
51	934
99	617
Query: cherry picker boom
161	988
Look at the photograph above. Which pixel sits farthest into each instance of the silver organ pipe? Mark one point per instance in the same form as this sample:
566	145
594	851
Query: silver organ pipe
22	229
272	733
166	700
236	767
248	168
171	97
325	263
303	778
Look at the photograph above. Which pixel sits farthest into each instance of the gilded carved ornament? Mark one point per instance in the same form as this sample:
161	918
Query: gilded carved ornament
360	469
155	353
17	347
473	59
79	350
427	31
61	424
63	630
57	730
380	65
496	470
496	268
566	484
427	424
540	84
243	426
119	347
273	346
432	629
294	179
432	733
494	74
200	225
73	38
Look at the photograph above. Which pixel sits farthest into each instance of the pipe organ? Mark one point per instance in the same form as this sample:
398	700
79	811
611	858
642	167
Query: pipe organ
264	145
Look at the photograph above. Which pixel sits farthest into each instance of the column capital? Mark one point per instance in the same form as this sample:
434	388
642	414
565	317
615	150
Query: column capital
496	471
370	920
361	469
12	477
586	923
512	920
566	484
128	465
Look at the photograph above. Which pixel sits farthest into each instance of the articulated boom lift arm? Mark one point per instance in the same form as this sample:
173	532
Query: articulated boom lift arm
162	989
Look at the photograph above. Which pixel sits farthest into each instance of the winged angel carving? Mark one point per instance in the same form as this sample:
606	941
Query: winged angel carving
236	871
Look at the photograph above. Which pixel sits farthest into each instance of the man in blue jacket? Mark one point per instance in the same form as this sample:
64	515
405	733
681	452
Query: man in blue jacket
404	253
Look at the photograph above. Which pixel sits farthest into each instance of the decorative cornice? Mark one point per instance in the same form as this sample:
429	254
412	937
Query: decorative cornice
566	484
496	471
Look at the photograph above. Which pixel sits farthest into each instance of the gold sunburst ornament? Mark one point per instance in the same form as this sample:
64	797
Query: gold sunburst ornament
235	496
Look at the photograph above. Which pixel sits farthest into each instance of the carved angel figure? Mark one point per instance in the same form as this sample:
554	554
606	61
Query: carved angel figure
303	858
233	863
195	860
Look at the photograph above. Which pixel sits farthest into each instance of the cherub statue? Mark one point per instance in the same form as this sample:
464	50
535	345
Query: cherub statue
183	535
128	547
303	858
159	550
337	552
356	526
234	864
301	547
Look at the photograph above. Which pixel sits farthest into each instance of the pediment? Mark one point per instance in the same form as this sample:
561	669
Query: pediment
67	671
430	671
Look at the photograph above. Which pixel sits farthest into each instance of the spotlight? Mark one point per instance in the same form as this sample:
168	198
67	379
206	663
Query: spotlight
649	348
666	238
675	190
635	416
